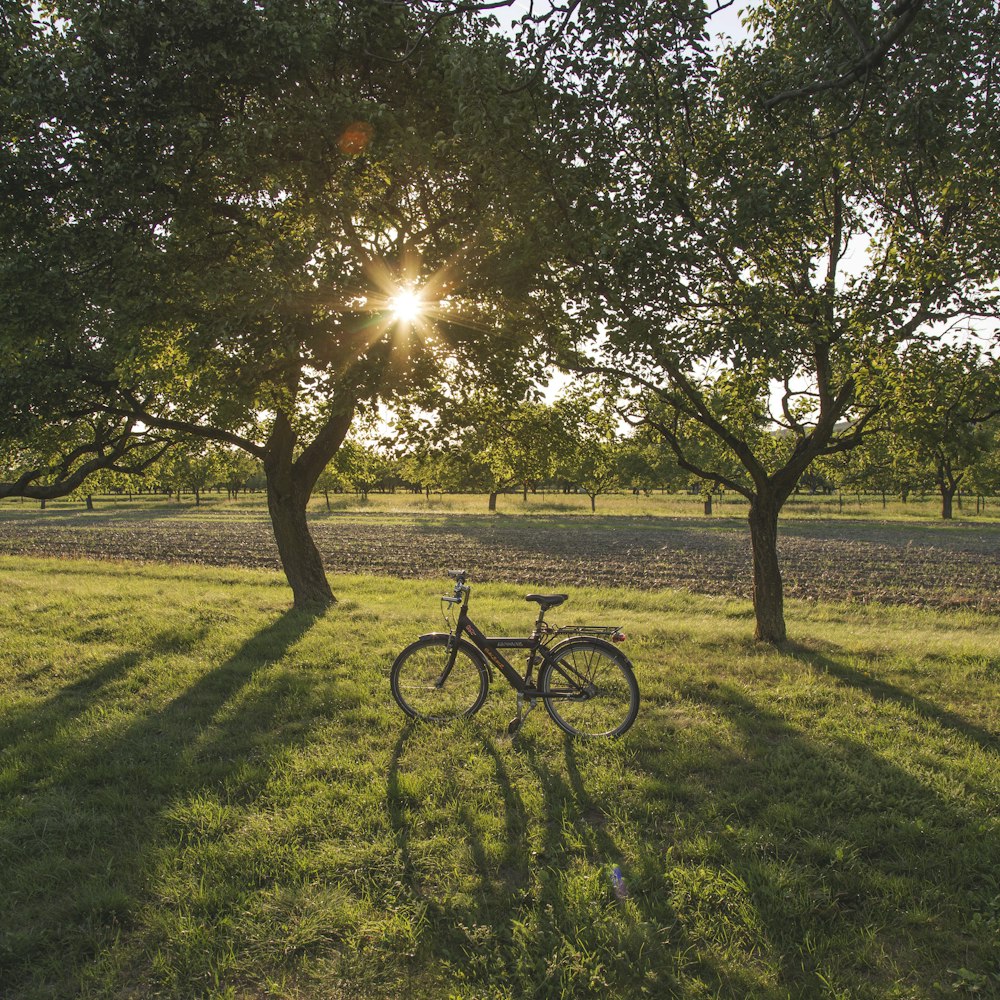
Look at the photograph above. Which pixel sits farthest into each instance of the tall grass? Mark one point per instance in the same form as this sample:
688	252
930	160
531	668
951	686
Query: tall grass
204	794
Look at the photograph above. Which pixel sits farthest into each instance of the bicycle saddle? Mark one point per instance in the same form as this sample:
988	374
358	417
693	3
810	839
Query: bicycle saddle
546	601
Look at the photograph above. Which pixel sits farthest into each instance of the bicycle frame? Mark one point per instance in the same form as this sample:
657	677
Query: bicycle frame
490	647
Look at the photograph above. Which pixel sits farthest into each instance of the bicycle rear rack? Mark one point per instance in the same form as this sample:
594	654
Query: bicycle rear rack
603	631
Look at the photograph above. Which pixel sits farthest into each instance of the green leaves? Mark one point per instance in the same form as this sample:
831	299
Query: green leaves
944	405
186	220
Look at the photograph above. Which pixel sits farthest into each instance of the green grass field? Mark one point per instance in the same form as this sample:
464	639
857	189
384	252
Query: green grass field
203	794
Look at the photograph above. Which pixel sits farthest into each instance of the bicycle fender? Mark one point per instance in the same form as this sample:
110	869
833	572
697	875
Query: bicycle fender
466	647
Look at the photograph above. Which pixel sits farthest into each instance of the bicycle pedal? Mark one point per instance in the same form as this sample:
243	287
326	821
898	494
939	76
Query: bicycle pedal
513	726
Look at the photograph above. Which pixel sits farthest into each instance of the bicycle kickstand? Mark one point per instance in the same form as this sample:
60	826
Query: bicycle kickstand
522	713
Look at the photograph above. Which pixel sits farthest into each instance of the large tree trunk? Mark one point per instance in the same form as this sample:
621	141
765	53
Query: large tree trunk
300	559
768	593
290	482
493	502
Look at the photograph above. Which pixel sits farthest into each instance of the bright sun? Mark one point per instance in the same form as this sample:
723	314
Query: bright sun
405	306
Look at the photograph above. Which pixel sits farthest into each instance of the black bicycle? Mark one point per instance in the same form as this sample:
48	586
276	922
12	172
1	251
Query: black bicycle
585	682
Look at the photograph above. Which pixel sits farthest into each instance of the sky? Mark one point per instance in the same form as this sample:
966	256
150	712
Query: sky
725	24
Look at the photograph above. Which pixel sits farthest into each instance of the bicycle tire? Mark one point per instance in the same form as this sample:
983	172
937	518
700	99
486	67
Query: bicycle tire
414	680
598	689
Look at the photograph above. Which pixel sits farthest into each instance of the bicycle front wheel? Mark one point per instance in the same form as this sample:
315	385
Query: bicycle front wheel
589	689
424	687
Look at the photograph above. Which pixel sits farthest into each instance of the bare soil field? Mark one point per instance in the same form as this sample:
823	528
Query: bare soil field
940	565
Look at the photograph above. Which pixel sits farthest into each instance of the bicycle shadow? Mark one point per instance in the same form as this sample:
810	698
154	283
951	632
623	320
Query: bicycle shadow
506	871
549	883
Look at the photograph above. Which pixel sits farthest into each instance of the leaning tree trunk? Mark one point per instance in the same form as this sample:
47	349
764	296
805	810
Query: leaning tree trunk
300	559
768	593
290	482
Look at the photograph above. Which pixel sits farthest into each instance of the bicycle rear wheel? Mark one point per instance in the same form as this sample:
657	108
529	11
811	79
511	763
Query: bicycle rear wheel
423	689
590	689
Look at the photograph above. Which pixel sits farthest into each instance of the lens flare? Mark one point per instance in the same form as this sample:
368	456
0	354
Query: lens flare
355	138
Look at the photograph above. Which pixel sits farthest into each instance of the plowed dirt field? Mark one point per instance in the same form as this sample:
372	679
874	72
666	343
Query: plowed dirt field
946	565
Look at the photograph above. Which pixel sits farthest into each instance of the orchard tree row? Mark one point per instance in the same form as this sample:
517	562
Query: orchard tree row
944	440
243	224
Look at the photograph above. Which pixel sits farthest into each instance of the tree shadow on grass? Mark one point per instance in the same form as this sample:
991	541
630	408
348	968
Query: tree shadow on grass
78	839
30	727
101	515
882	691
853	865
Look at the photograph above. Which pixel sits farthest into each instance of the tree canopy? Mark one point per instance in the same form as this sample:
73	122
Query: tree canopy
746	266
207	209
209	212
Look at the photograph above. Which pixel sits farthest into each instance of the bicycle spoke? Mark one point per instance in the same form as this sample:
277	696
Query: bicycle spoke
595	692
425	689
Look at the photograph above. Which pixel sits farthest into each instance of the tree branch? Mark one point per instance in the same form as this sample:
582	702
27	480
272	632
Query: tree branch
904	13
69	478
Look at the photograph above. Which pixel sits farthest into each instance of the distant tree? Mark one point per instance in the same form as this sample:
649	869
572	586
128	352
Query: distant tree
944	404
194	467
239	470
984	478
330	481
438	469
505	440
361	466
108	481
640	464
869	468
591	458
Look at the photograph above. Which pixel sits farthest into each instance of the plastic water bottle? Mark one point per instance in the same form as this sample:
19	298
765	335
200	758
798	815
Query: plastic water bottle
618	883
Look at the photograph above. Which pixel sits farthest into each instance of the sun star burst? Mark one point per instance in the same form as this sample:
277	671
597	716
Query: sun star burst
405	306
